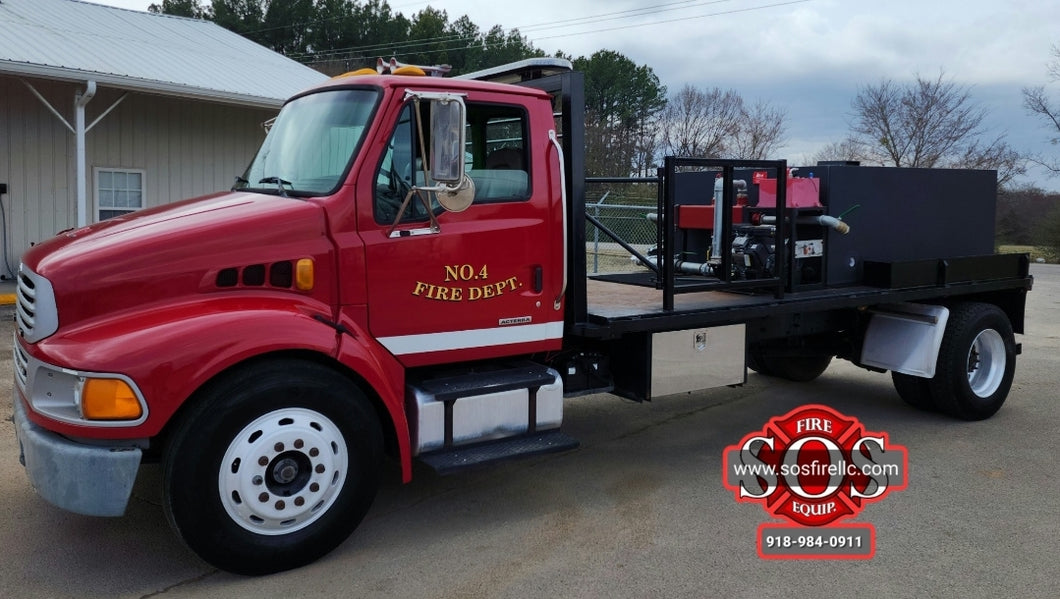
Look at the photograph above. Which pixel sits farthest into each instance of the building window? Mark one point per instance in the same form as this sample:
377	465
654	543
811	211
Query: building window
118	191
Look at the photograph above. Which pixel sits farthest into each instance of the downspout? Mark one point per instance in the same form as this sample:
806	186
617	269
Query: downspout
80	101
80	131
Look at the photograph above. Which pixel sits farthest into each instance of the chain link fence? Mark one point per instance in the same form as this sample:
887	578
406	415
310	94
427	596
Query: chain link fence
625	216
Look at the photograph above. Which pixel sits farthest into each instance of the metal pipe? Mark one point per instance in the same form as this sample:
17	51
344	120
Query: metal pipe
824	220
835	223
688	268
621	179
716	240
692	268
80	101
552	137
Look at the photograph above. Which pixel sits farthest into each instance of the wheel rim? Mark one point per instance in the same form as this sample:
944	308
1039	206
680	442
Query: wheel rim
986	363
283	471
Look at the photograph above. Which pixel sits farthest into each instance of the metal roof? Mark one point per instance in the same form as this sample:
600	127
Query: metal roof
77	41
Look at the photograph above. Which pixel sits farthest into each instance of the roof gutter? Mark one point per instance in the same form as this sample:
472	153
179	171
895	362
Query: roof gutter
164	88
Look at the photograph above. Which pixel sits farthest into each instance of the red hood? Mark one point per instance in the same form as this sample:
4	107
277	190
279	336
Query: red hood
175	250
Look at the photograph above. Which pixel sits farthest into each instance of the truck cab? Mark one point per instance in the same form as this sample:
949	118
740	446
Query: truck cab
369	238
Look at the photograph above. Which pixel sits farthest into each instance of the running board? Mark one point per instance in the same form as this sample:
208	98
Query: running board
449	461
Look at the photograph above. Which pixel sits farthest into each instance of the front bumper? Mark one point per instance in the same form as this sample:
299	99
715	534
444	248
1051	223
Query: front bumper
86	479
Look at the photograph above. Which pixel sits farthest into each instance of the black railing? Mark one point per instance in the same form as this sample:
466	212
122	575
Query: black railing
723	281
665	263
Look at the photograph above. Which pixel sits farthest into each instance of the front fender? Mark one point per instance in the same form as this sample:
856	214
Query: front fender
381	371
171	351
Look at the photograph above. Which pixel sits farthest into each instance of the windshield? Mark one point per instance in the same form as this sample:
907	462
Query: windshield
311	144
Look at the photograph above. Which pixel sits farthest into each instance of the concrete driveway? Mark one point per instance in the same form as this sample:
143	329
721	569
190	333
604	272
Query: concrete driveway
638	511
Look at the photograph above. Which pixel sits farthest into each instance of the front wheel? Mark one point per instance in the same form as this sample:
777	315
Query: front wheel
273	467
976	363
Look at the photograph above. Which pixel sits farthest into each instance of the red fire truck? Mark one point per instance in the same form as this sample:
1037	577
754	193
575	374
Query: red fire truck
402	270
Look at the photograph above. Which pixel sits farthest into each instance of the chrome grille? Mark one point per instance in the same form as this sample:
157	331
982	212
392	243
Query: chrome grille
35	308
26	308
21	367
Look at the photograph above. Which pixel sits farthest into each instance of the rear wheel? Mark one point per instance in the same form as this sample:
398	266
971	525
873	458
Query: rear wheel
914	390
976	363
273	468
757	362
800	369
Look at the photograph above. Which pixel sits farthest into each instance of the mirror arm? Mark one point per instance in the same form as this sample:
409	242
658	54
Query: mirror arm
423	143
435	227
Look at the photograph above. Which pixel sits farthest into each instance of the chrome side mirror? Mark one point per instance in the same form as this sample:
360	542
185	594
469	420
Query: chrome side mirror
447	140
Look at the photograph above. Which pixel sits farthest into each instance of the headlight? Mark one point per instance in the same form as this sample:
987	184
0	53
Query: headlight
78	397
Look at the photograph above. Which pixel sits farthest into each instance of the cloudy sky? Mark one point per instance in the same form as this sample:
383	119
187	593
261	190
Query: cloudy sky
808	57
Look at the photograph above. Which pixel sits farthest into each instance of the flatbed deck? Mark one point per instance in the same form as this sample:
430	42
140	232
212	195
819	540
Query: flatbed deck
615	308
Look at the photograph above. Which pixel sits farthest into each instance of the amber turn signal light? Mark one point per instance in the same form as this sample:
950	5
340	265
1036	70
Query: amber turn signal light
303	274
109	399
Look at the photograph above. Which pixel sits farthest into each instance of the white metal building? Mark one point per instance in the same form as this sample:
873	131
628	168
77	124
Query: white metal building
105	110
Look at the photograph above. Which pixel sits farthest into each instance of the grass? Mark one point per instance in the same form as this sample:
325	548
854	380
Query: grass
1036	252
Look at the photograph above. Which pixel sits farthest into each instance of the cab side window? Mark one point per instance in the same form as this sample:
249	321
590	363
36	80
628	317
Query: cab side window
496	158
498	152
400	169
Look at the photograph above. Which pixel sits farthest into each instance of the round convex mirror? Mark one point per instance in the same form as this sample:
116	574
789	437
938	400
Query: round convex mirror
460	198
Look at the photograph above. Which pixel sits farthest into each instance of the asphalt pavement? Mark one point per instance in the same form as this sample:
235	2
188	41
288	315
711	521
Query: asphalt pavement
639	510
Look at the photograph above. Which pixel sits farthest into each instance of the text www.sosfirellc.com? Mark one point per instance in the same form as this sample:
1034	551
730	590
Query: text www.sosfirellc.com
816	468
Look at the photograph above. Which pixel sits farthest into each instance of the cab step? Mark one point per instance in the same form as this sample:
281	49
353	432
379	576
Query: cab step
487	414
464	457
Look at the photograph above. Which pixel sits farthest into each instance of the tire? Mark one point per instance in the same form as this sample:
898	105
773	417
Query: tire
273	467
914	390
757	363
800	369
976	363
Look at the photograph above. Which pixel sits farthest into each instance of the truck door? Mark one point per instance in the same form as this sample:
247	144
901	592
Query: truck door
483	283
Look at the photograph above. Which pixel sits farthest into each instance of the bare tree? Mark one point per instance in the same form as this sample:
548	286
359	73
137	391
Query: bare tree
848	149
1037	101
996	155
699	123
759	131
711	123
932	123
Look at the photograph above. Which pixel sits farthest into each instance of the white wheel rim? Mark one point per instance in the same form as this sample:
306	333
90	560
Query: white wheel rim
283	471
986	363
